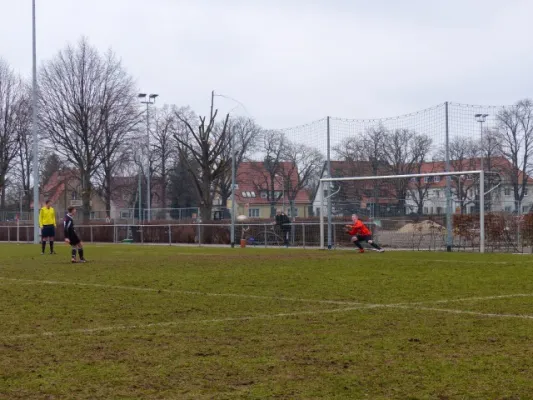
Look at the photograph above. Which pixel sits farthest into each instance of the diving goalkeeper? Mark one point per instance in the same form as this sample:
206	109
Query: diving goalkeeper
360	233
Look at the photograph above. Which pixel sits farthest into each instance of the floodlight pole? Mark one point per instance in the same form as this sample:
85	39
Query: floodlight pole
233	182
482	211
35	135
150	101
449	237
481	118
321	191
329	188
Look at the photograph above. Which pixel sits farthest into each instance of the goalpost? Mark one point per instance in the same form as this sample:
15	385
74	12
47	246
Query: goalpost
449	200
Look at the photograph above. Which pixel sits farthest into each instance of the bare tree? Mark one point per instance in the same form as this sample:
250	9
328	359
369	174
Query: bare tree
13	108
419	187
121	120
363	155
24	152
404	151
87	109
246	134
163	148
491	153
464	153
302	166
267	177
515	138
201	145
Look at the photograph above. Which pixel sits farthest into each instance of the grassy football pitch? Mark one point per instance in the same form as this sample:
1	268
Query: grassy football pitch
196	323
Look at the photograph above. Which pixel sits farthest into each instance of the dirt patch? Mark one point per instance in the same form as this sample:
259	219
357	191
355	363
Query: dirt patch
421	227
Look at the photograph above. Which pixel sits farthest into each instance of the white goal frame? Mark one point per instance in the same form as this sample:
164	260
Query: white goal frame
408	176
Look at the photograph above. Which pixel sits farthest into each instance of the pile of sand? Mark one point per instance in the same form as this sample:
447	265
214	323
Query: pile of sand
421	227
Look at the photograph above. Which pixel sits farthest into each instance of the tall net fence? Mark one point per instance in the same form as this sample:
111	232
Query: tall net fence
278	171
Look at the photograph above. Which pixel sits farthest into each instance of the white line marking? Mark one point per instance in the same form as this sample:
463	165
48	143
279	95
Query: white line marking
259	317
452	261
452	311
259	297
144	289
466	299
184	322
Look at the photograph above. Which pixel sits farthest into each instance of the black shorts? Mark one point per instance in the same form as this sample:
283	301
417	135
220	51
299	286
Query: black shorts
74	240
48	231
364	238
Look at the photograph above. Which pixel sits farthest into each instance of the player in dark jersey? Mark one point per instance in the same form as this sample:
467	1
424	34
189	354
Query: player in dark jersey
72	237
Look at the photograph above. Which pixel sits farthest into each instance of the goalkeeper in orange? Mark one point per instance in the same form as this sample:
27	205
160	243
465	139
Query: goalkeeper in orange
360	233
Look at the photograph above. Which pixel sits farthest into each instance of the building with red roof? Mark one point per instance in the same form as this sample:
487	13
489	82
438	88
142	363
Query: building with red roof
425	195
261	190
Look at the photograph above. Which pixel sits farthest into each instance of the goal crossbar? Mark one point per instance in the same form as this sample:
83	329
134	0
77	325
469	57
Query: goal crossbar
406	176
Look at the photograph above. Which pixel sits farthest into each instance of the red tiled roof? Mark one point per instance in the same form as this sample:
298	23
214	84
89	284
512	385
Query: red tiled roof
363	168
253	177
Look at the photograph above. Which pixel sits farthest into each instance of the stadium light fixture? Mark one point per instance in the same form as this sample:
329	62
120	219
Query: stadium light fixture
481	117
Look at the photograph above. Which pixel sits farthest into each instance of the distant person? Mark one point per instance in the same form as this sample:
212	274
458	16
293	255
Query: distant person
360	233
72	237
47	223
284	224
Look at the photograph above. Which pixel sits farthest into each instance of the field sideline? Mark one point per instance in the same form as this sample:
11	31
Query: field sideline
159	322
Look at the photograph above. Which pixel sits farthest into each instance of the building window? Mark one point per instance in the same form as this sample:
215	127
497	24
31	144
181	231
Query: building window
93	215
74	195
293	212
507	191
508	209
427	179
437	193
436	179
264	194
525	209
439	210
425	210
253	212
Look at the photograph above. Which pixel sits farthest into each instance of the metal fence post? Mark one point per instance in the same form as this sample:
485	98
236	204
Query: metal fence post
169	235
303	235
142	233
265	236
449	212
92	238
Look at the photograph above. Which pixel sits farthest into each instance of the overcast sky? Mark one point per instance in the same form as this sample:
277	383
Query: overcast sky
293	61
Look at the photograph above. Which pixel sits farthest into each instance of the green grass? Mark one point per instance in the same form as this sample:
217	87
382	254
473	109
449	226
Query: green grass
189	323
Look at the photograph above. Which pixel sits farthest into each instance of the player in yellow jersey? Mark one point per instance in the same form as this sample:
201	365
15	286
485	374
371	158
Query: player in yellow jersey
47	223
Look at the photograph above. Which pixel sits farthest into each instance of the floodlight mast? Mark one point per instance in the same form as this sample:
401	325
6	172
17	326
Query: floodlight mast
433	174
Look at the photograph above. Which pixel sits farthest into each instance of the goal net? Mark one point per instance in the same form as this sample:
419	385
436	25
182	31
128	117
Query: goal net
427	211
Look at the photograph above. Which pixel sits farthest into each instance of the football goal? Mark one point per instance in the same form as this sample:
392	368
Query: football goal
436	211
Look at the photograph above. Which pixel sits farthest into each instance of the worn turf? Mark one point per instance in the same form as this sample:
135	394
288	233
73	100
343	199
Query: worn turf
195	323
